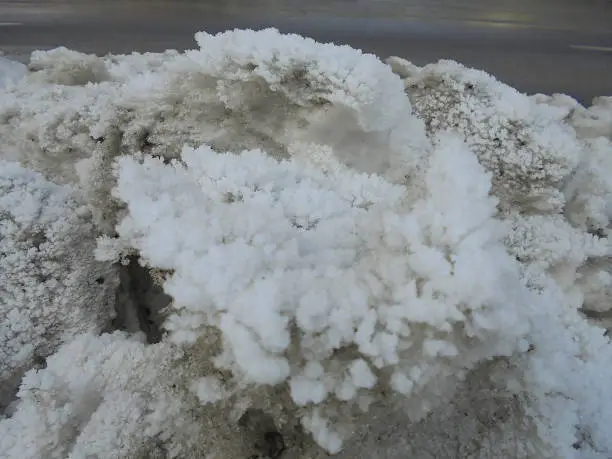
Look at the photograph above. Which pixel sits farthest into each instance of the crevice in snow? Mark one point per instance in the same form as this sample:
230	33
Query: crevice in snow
140	301
261	432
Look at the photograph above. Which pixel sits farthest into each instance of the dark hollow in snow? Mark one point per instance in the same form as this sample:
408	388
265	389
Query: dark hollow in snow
262	433
140	301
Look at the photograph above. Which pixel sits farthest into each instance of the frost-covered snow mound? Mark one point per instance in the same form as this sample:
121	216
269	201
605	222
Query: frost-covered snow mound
328	254
550	161
51	287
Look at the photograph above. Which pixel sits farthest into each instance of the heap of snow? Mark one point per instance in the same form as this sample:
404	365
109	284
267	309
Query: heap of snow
51	287
528	151
551	161
340	284
592	122
346	250
239	91
82	406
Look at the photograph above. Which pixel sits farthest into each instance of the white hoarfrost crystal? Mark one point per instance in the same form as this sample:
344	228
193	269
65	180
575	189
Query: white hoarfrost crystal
51	287
550	164
591	122
551	161
66	67
306	261
107	396
529	152
240	90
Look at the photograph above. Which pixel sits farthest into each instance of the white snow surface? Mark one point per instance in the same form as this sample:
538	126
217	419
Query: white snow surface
11	71
385	260
51	287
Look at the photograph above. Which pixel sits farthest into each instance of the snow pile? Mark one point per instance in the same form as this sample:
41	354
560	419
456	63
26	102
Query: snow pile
343	252
592	122
358	286
82	406
238	91
51	287
550	160
528	151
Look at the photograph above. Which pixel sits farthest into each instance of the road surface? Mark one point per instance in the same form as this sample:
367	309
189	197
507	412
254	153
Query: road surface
542	46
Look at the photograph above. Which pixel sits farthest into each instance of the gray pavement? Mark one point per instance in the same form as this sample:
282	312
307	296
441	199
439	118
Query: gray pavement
534	45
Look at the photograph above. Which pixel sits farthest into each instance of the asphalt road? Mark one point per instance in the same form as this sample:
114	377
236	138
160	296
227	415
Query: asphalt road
542	46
